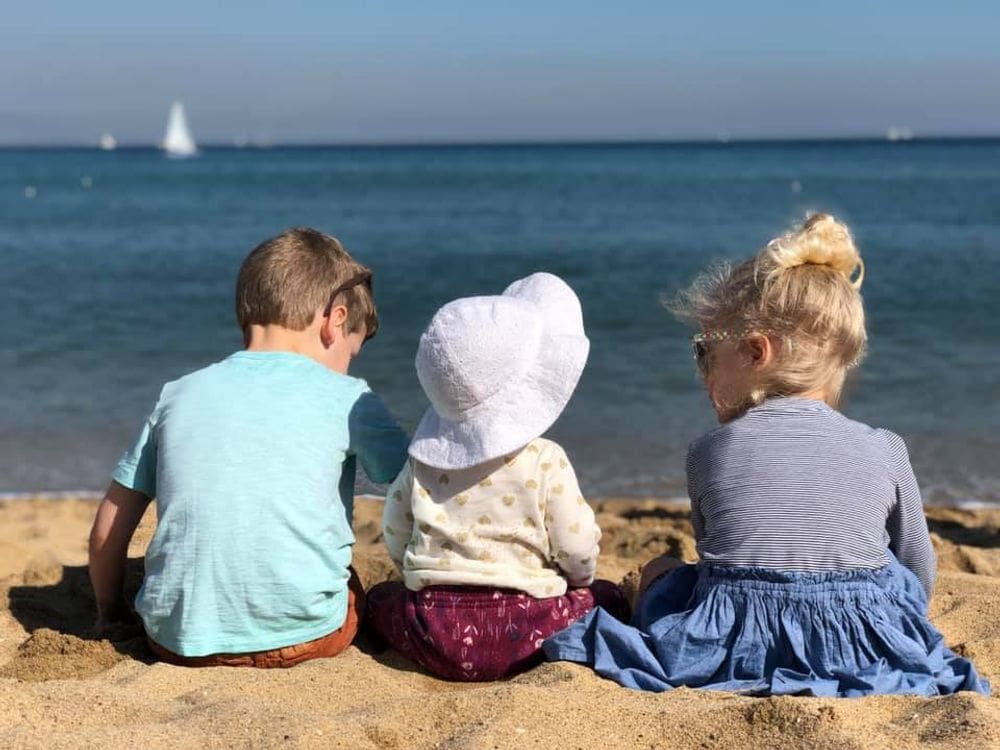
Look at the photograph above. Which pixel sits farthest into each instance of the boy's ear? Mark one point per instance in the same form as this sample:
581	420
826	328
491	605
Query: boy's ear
333	325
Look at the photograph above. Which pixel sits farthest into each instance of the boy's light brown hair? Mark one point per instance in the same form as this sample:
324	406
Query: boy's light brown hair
286	279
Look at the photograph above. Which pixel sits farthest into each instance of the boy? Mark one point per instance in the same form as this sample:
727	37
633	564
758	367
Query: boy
251	462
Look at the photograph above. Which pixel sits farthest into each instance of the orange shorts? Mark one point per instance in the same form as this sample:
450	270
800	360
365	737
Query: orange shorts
330	644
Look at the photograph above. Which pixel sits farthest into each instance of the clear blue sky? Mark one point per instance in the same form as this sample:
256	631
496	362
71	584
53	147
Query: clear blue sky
431	70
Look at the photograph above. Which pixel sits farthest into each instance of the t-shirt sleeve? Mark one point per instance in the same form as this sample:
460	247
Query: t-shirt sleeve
376	438
397	516
909	539
572	529
136	469
694	494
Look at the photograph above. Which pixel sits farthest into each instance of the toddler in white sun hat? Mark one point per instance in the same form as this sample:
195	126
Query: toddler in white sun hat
486	522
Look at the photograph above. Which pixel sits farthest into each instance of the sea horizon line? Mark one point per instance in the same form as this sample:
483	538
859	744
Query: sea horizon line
728	142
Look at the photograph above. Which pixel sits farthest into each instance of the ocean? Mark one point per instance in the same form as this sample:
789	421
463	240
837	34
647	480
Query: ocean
118	270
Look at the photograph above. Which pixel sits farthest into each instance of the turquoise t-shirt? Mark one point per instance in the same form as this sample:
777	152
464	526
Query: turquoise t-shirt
251	462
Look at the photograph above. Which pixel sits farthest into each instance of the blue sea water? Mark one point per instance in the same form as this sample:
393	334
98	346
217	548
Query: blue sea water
117	272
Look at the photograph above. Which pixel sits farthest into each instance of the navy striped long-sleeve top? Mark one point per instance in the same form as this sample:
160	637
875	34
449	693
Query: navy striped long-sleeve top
794	485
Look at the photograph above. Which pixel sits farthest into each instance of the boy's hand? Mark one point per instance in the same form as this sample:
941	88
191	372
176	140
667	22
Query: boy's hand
115	621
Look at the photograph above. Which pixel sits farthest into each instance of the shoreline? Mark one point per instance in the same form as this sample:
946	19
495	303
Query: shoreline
61	688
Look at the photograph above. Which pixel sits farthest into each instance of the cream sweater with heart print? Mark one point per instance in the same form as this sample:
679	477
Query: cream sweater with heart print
517	522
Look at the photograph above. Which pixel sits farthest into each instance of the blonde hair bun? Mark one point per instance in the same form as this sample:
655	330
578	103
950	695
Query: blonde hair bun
820	241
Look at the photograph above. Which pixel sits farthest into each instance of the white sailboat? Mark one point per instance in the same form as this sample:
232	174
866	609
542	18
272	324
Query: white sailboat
107	142
178	142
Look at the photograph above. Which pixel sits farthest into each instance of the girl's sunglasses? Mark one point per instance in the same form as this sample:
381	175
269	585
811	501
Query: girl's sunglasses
700	348
701	345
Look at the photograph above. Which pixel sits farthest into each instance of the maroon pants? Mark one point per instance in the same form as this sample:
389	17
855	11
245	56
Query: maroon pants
477	633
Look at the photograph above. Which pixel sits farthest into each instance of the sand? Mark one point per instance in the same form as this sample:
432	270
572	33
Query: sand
61	688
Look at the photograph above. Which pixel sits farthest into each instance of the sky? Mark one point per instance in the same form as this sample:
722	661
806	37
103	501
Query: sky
338	71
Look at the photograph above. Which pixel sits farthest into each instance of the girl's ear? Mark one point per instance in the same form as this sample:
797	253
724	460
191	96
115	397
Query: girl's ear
761	351
333	325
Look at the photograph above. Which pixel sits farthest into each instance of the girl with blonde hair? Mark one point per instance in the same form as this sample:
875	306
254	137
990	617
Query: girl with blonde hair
815	561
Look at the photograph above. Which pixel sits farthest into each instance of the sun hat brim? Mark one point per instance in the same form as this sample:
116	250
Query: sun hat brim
511	418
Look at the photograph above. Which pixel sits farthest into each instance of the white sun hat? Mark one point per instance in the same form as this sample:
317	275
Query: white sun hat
498	371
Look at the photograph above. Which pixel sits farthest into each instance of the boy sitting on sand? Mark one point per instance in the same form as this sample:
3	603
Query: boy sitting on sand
251	462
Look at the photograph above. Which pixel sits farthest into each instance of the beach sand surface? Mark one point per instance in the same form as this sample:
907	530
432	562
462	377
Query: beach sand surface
60	688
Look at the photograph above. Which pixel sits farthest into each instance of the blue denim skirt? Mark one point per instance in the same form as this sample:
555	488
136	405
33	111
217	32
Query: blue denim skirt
766	632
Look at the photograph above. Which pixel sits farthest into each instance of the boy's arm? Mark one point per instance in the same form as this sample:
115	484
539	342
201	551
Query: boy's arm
133	484
376	439
397	516
569	520
117	517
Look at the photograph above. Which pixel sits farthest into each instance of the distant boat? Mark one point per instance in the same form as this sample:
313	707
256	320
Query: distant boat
107	142
178	142
899	134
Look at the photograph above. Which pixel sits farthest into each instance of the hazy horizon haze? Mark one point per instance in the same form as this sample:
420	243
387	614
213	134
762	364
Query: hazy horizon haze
357	72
